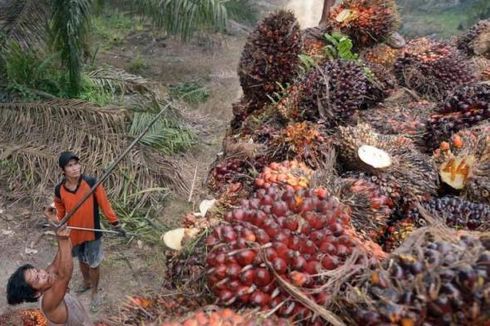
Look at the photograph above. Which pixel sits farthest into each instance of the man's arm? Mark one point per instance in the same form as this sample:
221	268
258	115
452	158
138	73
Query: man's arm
63	269
106	207
50	213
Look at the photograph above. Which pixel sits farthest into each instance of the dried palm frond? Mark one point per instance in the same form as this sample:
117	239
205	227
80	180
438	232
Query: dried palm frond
97	135
24	21
119	81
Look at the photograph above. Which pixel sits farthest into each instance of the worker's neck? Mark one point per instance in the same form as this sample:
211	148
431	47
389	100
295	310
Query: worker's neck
72	180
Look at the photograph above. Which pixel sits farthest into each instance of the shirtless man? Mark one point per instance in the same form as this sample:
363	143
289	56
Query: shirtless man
50	285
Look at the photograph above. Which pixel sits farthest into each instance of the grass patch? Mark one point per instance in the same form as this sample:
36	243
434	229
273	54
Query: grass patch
190	92
111	29
137	65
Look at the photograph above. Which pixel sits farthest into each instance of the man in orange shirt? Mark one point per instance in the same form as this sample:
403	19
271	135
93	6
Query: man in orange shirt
87	245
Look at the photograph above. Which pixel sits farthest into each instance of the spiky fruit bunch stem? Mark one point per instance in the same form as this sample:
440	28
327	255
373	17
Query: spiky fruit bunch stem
432	69
428	283
298	234
466	107
366	22
270	56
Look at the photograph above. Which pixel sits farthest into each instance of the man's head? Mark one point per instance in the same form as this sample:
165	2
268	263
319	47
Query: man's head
27	284
69	163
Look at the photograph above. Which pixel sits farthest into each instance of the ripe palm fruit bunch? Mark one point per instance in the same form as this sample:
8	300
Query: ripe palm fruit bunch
332	93
387	156
289	173
302	141
366	22
455	212
464	164
294	235
24	317
432	69
226	317
432	281
468	105
381	54
477	40
371	208
226	172
270	56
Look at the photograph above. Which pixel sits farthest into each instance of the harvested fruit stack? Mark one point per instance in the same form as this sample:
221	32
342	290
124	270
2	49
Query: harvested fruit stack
467	106
332	93
226	317
24	317
226	172
294	235
366	22
440	279
454	212
270	56
476	40
432	69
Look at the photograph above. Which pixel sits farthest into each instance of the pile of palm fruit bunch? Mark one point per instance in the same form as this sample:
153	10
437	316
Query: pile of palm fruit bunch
24	317
332	178
438	277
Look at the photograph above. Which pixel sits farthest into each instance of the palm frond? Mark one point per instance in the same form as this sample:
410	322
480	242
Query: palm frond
242	11
182	17
33	134
69	29
24	21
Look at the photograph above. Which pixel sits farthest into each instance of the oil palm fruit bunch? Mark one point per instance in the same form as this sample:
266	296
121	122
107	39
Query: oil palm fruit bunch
226	317
332	93
270	56
289	173
284	233
407	120
371	207
464	163
24	317
381	54
382	83
225	172
366	22
387	156
436	282
455	212
304	141
397	231
432	68
467	106
477	40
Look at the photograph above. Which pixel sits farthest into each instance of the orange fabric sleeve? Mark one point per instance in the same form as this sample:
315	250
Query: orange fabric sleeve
60	208
105	205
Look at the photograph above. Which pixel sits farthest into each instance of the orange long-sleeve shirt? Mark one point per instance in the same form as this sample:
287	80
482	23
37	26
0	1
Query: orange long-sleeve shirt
87	216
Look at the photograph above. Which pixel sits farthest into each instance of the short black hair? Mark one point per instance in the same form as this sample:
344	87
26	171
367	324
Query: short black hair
18	290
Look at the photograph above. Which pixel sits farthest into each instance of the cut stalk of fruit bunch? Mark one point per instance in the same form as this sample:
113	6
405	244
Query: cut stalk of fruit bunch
373	156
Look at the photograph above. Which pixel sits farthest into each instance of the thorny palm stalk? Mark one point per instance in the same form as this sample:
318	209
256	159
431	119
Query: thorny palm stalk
69	28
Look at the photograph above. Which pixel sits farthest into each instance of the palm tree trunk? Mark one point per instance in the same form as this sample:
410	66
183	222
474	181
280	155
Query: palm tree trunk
327	4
